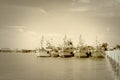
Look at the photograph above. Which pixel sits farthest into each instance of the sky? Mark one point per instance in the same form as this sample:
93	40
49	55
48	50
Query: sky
24	22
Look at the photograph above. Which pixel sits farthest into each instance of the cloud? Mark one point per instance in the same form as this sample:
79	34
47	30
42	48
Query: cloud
31	9
85	1
17	31
81	9
108	29
117	0
81	1
96	8
31	33
11	28
21	30
24	30
17	28
43	11
23	9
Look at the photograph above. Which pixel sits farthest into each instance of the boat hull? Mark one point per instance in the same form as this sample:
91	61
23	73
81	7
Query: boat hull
54	54
81	55
98	54
43	54
66	54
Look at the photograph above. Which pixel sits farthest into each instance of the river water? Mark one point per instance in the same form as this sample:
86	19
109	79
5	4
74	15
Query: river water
19	66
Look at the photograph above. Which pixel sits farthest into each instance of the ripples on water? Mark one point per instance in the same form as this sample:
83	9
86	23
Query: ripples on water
19	66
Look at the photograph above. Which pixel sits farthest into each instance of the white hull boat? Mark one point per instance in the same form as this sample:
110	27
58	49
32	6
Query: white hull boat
43	54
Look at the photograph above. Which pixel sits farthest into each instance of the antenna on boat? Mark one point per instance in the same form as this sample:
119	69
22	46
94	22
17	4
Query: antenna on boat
42	39
80	40
80	43
51	41
64	43
96	41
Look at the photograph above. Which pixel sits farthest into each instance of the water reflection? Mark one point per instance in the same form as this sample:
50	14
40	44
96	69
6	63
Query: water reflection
29	67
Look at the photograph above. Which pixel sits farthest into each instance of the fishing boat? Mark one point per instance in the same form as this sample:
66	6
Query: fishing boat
84	52
67	50
81	54
44	52
99	52
54	53
66	53
89	51
81	51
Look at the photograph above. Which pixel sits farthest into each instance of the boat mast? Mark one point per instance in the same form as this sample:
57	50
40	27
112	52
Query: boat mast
96	41
65	42
42	42
80	41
